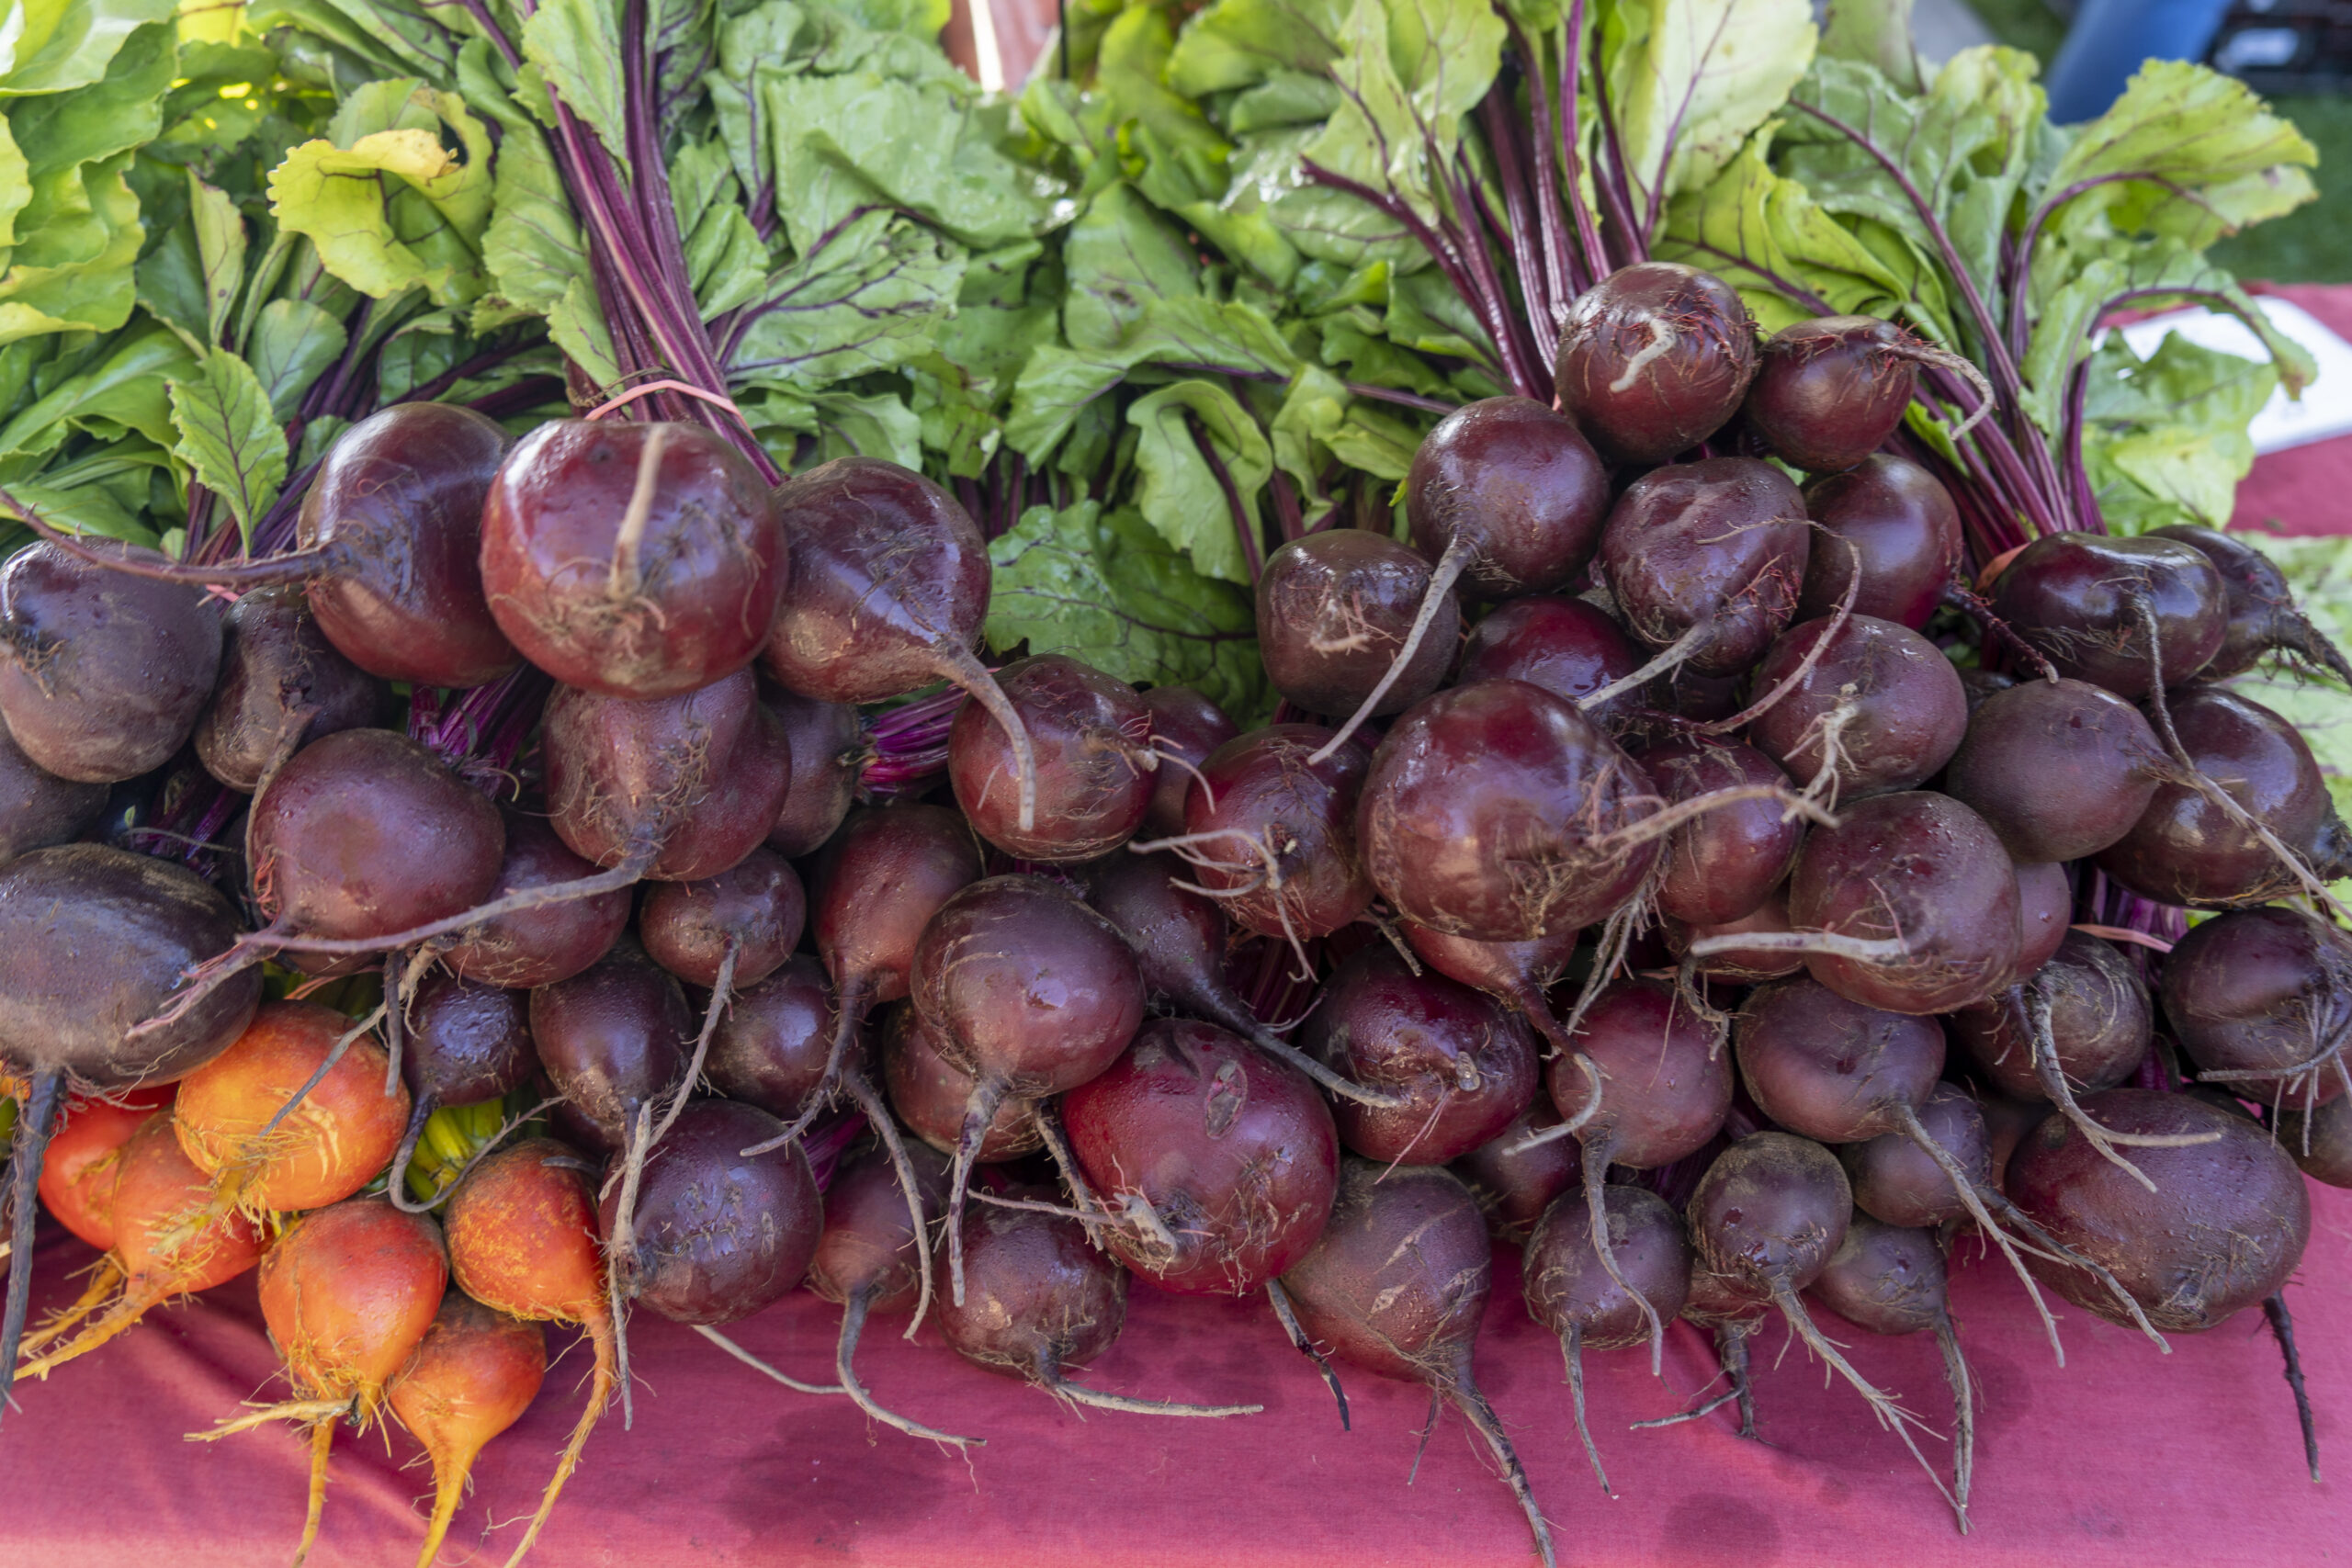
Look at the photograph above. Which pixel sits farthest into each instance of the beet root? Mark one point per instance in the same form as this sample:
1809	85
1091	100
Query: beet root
1890	1280
1653	359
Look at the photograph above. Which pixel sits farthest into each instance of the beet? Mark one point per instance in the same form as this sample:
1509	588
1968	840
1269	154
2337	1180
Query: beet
1334	609
2259	611
632	559
1568	647
1881	708
756	906
1185	728
1498	812
1398	1285
1090	740
1519	975
1463	1064
929	1093
2045	910
1891	1280
1705	560
1727	960
828	747
1830	393
612	1039
1272	833
282	685
37	808
2059	769
2080	600
2261	1000
2320	1140
465	1043
771	1042
527	948
1515	1178
716	1237
2099	1025
1721	866
1654	360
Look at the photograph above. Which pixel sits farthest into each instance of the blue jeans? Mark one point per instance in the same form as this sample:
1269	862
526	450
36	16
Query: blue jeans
2112	38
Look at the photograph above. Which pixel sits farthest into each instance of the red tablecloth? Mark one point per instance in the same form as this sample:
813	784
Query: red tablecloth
2305	490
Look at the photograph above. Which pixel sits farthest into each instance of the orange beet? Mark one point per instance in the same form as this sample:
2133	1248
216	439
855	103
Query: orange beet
472	1377
328	1147
77	1179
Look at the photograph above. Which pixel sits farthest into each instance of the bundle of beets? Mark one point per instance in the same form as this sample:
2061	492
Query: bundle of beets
1615	883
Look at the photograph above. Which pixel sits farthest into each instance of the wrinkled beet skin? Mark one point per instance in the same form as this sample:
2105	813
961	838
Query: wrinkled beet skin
929	1092
1261	785
94	940
1909	714
693	782
37	808
828	747
1185	726
1828	1068
770	1046
2225	1228
1897	1181
282	686
1901	521
466	1042
711	568
1567	1286
1885	1278
1827	393
879	884
1236	1152
1037	1298
2101	1020
1092	736
611	1038
720	1236
1398	1283
1722	541
1481	812
1569	648
102	674
869	1242
1722	865
2071	595
1520	485
1653	359
2059	769
756	903
2267	987
1512	1187
538	947
397	507
1466	1062
2184	850
1772	1210
364	833
1333	609
1921	867
1665	1079
887	569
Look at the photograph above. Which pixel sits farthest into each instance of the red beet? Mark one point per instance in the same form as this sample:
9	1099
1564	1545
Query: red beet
1880	709
1654	360
1272	833
1705	560
1090	740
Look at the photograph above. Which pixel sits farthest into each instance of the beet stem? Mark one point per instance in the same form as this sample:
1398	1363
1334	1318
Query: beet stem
1288	1318
1917	1130
1572	1352
853	1313
2060	1093
1828	944
1050	1378
620	1259
314	1510
1596	1175
1459	553
294	566
2282	1329
795	1385
960	667
1963	1402
396	1179
1471	1401
1087	1208
1889	1414
1659	823
979	1112
2313	644
105	1278
36	1121
1338	1083
1805	667
1664	661
600	1393
878	1115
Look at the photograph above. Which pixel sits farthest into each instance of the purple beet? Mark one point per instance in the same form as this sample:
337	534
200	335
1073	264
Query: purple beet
715	1237
462	1043
1705	560
613	1039
1514	1177
1870	703
2260	608
2098	1026
1568	647
1090	742
2085	600
1654	360
1519	975
1334	609
755	907
1724	864
1271	831
930	1094
1185	728
529	948
827	748
2059	769
1894	519
37	808
1828	393
282	686
2261	1002
772	1040
1891	1280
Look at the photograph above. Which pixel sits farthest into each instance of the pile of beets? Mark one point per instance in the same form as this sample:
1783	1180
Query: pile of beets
1713	885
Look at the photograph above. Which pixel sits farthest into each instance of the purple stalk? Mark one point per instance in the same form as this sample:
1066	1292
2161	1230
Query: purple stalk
1596	259
1254	547
1536	284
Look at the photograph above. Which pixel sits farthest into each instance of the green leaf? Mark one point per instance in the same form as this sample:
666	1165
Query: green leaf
220	232
125	383
1240	43
2175	426
867	300
1058	383
294	343
2319	572
1107	589
84	280
229	437
577	45
1178	492
726	259
532	247
53	46
1878	34
1122	257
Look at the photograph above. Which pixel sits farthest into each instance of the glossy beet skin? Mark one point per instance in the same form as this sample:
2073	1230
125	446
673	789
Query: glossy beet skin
395	516
1742	966
1264	797
1724	865
1569	1292
1893	698
686	600
2045	913
1715	550
756	906
1333	609
1898	1181
2075	597
102	674
869	1245
1398	1283
828	747
1517	973
1091	739
346	1292
1770	1212
2262	988
1664	1078
1040	1300
1465	1064
718	1236
1499	813
1885	1278
1516	486
1828	393
878	885
1921	870
2100	1023
929	1093
2059	769
612	1039
2186	849
1654	360
1185	728
37	808
465	1043
2225	1228
2259	608
1899	521
2318	1141
770	1046
282	685
364	833
1568	647
682	787
1234	1151
1515	1186
525	948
